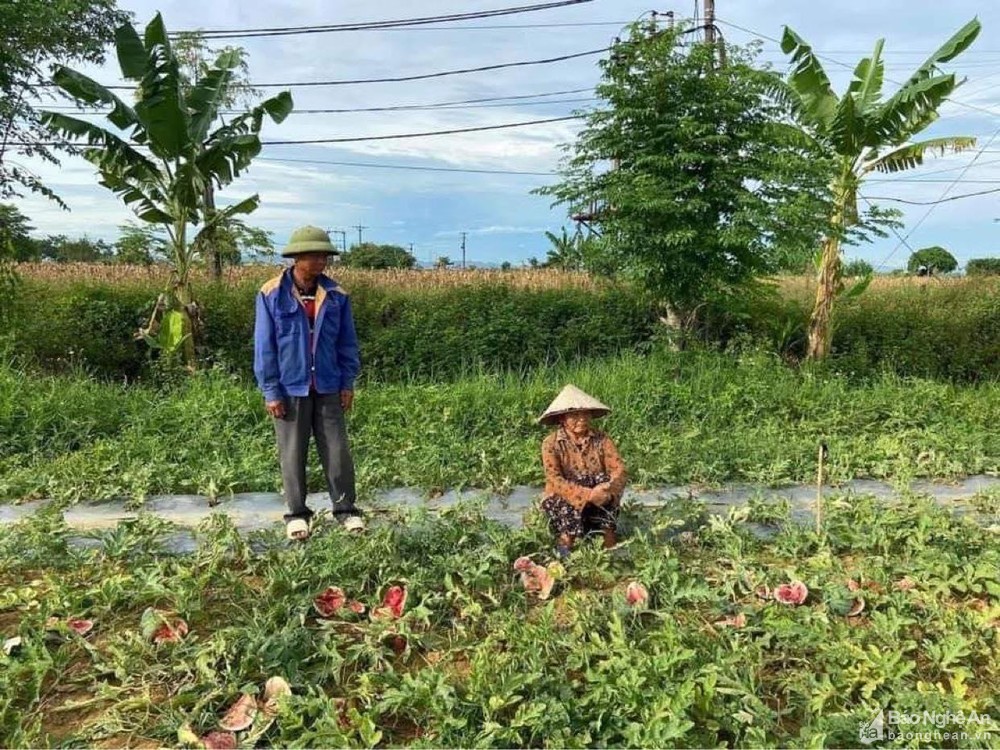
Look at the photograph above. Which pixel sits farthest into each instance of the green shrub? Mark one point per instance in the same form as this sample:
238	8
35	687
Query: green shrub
405	333
983	267
934	328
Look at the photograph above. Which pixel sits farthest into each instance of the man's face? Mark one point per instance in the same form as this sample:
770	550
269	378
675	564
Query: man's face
311	264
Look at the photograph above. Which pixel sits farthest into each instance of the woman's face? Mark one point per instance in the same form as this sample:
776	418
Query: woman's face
577	422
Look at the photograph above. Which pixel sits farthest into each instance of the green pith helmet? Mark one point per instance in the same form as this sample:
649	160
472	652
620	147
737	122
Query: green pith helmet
309	240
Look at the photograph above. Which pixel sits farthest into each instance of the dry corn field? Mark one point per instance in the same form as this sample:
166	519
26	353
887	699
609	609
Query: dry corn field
126	275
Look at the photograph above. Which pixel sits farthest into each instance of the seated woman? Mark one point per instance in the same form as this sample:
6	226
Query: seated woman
584	475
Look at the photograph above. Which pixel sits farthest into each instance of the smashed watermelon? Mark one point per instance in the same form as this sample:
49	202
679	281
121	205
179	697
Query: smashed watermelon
393	604
329	601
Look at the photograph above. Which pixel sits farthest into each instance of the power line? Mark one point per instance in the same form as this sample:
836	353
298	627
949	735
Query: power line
477	27
410	167
913	180
930	203
430	105
402	22
458	102
399	79
355	139
392	108
421	135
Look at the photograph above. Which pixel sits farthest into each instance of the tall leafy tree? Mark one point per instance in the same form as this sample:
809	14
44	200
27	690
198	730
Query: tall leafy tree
15	244
861	133
139	244
15	234
174	122
222	243
373	255
934	259
697	190
35	36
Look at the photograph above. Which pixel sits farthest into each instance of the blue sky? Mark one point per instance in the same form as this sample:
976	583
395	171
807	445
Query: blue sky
503	221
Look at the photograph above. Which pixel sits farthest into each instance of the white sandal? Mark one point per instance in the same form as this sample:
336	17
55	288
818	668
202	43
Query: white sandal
297	530
354	523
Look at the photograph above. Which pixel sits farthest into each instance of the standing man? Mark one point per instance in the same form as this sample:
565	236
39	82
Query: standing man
306	361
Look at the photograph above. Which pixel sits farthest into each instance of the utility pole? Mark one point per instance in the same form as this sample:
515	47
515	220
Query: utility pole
710	21
343	237
710	36
463	250
360	229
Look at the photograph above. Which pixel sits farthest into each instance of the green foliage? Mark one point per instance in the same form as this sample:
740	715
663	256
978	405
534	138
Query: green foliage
482	326
233	240
706	192
13	228
565	252
15	234
63	249
35	33
860	133
687	417
372	255
949	331
139	244
856	267
485	665
983	267
933	260
174	120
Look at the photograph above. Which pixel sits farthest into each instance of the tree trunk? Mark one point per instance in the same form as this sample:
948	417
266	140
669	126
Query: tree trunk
821	321
213	246
828	282
183	297
678	324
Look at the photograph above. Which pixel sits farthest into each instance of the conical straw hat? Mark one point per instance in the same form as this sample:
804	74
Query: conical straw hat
570	399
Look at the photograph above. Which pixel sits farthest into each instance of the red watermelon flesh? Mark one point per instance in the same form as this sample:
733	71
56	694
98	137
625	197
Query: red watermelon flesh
328	602
395	600
219	741
240	715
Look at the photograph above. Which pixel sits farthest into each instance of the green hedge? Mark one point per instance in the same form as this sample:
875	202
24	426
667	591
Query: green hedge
935	329
938	329
442	333
983	267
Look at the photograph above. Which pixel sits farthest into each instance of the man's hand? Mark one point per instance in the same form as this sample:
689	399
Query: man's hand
275	408
346	400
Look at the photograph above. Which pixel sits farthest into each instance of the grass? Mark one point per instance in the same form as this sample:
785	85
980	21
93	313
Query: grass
477	662
678	418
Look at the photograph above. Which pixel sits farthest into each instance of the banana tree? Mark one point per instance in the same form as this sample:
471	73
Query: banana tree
860	132
163	153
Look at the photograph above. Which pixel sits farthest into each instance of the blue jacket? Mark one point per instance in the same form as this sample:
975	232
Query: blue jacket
282	361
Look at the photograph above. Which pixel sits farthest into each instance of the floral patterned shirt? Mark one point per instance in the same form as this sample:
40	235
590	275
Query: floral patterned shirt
572	468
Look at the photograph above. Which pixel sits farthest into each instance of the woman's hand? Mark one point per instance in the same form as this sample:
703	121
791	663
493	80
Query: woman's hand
578	503
601	494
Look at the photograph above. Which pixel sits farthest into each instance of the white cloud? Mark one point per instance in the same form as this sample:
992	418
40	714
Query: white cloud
420	206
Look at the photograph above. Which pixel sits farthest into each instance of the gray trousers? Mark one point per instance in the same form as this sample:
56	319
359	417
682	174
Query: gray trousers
318	415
